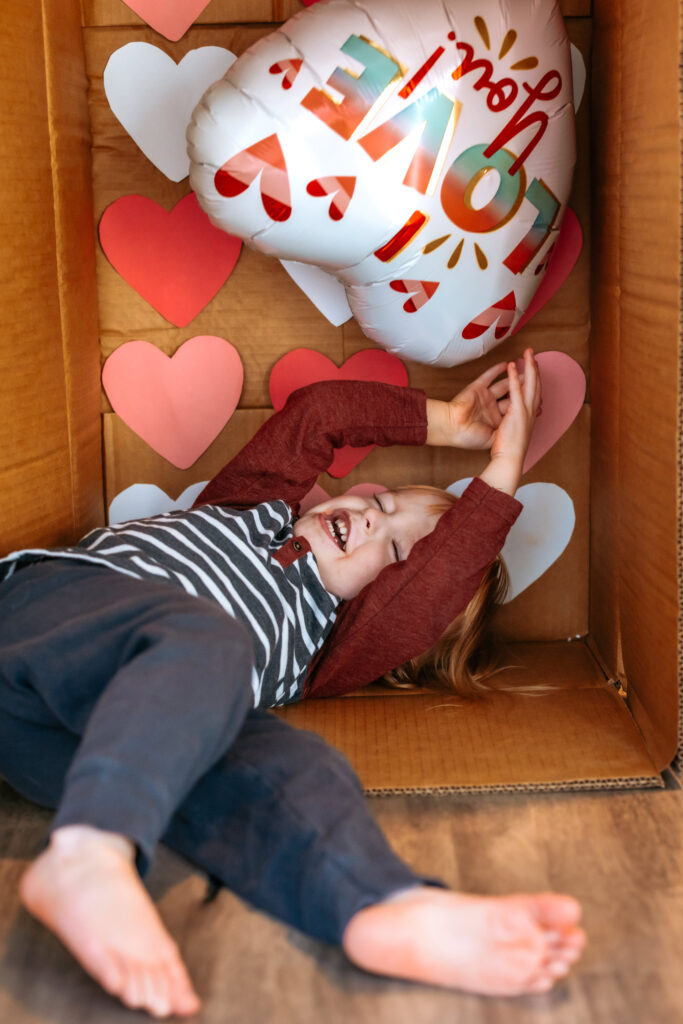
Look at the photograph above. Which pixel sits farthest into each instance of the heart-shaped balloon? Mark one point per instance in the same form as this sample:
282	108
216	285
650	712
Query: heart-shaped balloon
139	501
175	260
538	537
178	405
153	97
171	18
422	152
304	366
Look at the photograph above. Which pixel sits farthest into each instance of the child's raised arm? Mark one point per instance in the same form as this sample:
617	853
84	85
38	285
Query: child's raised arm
285	457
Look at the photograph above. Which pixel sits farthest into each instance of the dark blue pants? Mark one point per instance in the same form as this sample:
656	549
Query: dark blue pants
127	705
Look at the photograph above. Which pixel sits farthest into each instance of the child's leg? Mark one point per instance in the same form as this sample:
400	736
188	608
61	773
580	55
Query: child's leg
282	821
157	683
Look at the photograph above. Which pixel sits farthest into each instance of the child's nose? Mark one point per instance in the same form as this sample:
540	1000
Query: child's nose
373	519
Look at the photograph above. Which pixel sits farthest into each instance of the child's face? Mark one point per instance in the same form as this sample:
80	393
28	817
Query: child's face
354	537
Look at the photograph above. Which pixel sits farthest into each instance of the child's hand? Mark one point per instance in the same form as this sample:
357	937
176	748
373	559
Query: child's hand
511	438
470	420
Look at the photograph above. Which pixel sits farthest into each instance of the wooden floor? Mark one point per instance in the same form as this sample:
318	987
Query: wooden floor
620	853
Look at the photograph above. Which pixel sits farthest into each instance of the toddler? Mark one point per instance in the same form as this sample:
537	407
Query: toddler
136	667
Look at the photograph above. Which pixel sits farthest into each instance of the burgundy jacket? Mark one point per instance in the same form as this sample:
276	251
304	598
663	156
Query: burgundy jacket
409	604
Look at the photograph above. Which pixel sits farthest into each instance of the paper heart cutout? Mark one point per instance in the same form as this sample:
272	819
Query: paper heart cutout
171	18
178	405
176	261
538	537
153	97
563	385
317	494
325	291
578	75
305	366
139	501
566	252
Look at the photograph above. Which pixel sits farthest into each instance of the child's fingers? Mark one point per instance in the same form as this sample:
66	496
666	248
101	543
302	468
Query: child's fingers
531	381
514	384
500	388
488	376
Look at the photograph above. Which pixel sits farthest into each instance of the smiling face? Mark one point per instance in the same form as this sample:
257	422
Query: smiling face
354	537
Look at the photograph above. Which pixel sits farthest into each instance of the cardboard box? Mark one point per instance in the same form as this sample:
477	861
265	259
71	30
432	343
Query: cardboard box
601	625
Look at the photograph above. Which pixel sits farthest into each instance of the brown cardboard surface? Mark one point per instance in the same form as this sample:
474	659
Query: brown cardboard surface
641	247
578	736
115	12
49	441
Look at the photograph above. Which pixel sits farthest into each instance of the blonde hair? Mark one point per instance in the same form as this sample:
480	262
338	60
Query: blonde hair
466	656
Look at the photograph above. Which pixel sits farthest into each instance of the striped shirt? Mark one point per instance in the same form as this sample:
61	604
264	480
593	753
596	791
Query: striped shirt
225	556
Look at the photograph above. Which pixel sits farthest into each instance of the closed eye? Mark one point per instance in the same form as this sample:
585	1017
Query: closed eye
397	556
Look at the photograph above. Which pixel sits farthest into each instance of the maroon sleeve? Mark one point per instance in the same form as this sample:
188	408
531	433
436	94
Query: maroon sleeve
408	606
285	457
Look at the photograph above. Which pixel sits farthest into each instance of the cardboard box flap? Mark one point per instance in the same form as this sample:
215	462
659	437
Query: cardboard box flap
635	359
579	735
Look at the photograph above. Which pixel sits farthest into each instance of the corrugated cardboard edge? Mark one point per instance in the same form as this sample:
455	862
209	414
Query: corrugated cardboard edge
582	785
678	760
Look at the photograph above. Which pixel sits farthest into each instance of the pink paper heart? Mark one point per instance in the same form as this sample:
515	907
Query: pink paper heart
178	405
566	252
305	366
563	384
176	261
171	18
317	494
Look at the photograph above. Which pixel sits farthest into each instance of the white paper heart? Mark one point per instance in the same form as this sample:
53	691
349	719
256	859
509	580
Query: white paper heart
540	535
153	97
325	291
142	500
578	75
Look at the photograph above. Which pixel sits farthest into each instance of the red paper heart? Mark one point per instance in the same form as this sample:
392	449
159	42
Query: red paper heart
305	366
177	261
171	18
178	405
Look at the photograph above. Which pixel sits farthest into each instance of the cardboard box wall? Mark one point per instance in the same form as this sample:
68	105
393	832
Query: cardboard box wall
605	613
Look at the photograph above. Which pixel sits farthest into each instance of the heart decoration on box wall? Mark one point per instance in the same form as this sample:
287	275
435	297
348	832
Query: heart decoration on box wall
178	405
171	18
176	260
306	366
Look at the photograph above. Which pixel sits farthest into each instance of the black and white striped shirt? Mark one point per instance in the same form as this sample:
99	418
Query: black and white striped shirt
226	556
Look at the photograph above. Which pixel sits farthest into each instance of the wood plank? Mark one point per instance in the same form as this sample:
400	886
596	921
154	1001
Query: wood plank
618	853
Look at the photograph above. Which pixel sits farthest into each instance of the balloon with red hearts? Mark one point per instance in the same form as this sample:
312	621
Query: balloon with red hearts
423	153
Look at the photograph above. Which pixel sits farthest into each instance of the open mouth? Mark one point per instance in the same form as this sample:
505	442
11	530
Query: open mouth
338	526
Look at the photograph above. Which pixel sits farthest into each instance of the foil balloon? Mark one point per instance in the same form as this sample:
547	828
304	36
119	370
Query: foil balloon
421	152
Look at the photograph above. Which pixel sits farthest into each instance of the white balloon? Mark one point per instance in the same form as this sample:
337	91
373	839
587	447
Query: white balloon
423	153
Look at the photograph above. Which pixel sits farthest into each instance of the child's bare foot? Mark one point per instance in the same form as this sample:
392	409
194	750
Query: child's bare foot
504	946
85	889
